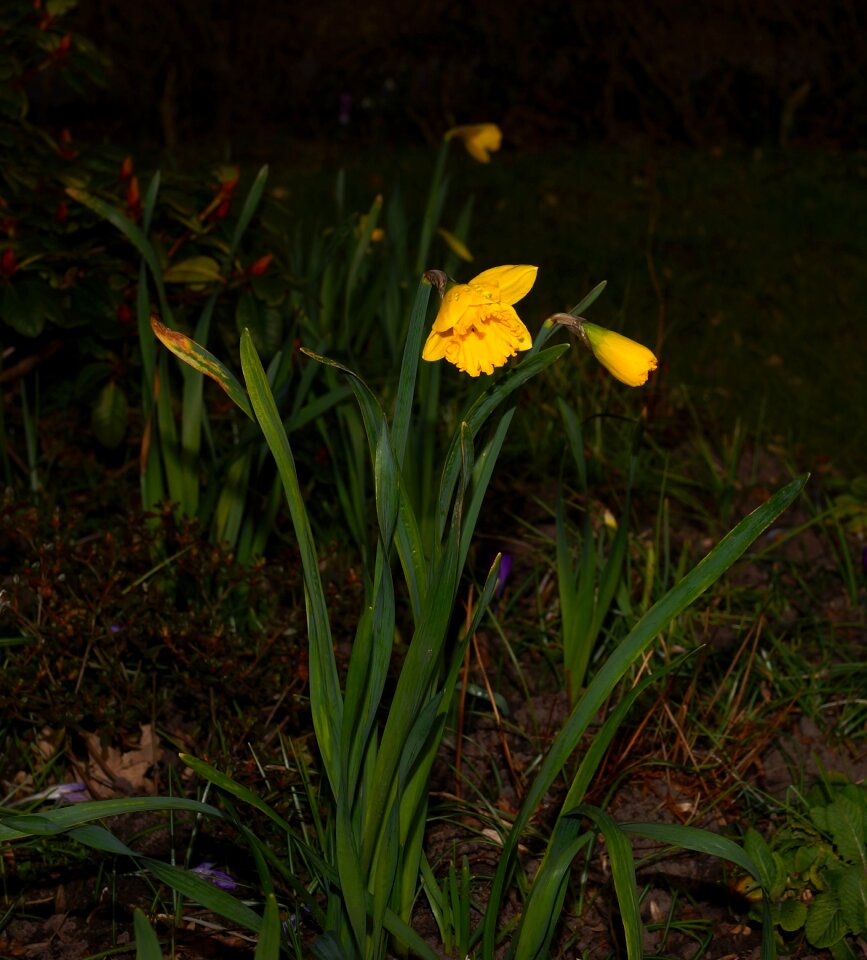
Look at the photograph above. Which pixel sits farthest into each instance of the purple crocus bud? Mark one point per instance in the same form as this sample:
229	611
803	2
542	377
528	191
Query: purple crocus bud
503	573
68	792
294	919
219	878
344	109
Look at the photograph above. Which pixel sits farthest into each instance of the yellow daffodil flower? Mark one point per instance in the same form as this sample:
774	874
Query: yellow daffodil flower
480	139
477	327
628	361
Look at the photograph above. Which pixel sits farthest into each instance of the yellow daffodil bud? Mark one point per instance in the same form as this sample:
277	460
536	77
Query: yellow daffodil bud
480	139
628	361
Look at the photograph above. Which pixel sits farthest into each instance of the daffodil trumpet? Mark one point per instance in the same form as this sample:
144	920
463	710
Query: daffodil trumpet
477	328
626	360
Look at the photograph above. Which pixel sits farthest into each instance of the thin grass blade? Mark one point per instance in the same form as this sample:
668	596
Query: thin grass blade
433	208
651	624
539	921
235	789
408	372
575	436
543	905
129	229
589	299
248	211
170	449
478	414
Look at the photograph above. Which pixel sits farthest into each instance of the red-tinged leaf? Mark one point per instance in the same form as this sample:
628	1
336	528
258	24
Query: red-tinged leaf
202	360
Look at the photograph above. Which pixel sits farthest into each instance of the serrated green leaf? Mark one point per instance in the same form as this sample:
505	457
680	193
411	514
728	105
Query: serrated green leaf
110	415
852	892
846	826
819	816
804	858
793	913
825	924
779	877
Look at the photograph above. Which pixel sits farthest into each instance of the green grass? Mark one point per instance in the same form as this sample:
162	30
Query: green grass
710	688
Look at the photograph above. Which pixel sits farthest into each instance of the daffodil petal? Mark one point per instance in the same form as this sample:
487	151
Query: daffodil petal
477	328
435	347
508	284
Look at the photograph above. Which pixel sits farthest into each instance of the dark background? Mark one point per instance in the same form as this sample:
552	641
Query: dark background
749	71
707	160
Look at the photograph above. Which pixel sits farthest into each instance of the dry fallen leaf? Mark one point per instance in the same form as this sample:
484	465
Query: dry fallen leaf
111	772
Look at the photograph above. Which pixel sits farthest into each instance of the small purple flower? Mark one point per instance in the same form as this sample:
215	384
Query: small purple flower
344	109
293	920
219	878
503	573
68	792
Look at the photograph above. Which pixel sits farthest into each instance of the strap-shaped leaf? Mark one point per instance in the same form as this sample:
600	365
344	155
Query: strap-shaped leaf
268	947
147	946
202	360
129	229
623	872
694	838
325	698
20	826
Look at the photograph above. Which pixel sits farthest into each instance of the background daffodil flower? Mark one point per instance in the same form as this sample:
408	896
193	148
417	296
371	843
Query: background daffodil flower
628	361
480	139
477	328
